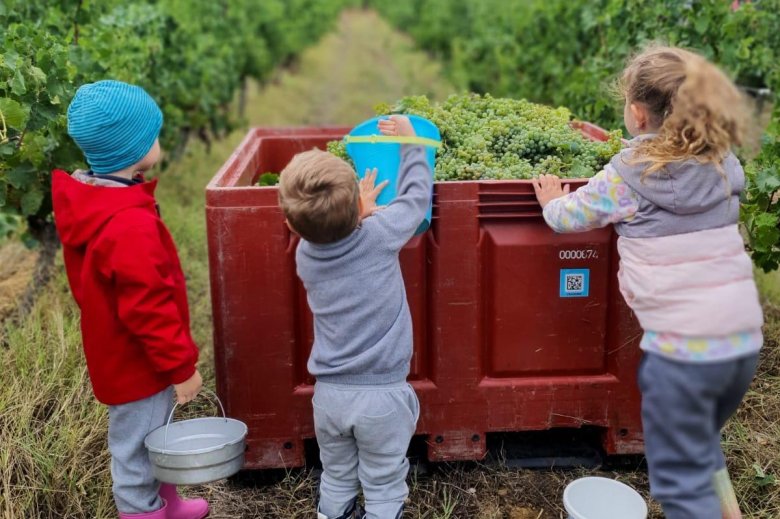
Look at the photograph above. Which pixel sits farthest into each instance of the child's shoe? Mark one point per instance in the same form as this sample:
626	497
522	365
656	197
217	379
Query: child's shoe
157	514
350	513
360	513
179	508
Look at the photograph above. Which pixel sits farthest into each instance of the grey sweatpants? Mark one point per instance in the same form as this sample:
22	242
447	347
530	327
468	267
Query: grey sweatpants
363	433
684	407
136	491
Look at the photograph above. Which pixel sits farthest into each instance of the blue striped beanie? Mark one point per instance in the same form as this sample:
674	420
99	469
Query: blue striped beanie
115	124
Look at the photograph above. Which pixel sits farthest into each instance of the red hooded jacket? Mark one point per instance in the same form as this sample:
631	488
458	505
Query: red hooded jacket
125	275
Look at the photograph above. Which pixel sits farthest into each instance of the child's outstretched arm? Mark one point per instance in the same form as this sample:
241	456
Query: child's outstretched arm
414	186
605	200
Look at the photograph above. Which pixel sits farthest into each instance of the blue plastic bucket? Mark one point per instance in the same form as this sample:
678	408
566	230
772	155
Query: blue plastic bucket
369	149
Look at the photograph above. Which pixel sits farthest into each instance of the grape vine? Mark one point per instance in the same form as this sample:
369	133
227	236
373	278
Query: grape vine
192	60
568	53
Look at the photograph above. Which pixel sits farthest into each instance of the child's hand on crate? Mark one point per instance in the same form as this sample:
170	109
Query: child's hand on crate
368	193
548	188
397	125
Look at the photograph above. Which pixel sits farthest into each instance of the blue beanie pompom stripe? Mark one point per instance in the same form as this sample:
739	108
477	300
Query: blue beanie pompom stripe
115	124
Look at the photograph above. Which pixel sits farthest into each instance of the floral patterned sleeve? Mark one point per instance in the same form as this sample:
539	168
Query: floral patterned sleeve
604	200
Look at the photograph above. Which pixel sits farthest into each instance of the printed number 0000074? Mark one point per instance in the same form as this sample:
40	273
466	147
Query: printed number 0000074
578	254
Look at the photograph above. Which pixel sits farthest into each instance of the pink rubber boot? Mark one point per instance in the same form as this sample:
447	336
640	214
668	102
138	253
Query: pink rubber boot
157	514
179	508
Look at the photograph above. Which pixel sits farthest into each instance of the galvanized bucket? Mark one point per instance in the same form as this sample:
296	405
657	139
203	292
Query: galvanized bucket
197	451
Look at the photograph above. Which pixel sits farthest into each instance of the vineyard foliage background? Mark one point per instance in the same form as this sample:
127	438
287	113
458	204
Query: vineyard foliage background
568	53
193	57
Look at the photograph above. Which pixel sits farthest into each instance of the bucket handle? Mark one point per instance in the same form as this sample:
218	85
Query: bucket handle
400	139
170	416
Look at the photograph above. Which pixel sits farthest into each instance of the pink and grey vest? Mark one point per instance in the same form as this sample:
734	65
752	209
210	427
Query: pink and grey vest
684	268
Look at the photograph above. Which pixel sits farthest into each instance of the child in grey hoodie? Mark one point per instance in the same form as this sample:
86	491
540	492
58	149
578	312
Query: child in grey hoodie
365	412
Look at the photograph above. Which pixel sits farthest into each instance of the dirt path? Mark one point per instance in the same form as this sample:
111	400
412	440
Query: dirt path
363	63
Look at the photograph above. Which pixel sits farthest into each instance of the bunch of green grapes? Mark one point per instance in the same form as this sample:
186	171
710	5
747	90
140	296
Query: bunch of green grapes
488	138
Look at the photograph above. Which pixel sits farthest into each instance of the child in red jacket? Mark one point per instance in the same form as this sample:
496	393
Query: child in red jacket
126	277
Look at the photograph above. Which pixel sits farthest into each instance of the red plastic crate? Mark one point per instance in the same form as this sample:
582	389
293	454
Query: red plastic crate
495	346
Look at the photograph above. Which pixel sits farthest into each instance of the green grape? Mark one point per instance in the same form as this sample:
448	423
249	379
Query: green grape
268	179
339	149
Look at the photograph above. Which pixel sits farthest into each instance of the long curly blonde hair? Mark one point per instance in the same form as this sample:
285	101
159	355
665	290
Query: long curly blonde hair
699	111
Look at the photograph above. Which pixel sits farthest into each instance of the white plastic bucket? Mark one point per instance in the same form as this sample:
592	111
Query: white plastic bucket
603	498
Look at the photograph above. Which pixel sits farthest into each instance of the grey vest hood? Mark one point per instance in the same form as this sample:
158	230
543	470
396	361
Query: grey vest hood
684	197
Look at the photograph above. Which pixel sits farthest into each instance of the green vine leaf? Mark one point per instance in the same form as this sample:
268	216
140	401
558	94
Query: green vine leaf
31	202
18	86
14	114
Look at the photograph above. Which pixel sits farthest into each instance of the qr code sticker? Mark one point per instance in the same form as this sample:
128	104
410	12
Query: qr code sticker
575	283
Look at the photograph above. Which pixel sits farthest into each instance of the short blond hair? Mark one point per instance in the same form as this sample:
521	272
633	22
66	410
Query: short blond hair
318	193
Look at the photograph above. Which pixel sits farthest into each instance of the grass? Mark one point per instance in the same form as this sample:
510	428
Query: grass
54	461
17	265
752	438
53	458
450	491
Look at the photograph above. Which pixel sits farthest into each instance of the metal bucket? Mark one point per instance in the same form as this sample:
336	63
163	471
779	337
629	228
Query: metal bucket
197	451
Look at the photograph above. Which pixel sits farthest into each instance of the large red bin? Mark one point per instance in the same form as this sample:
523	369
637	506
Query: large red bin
499	342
